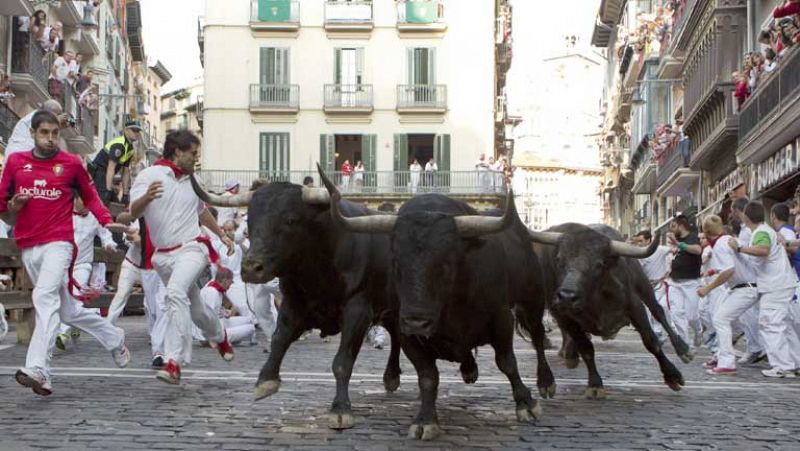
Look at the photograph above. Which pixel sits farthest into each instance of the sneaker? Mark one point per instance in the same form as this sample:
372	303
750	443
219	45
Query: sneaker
35	381
752	358
61	341
776	373
76	333
710	364
121	355
158	361
224	348
718	371
268	347
171	373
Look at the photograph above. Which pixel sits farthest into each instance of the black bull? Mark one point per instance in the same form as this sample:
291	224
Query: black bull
460	279
331	280
592	291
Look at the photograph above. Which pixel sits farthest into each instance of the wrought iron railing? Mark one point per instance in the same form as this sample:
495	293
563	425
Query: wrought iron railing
373	182
348	96
422	96
274	11
274	96
672	162
348	12
8	119
87	125
29	59
420	12
771	97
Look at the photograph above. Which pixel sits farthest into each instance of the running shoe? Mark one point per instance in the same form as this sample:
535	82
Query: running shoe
171	373
778	374
224	348
718	371
61	341
158	361
121	355
35	381
710	364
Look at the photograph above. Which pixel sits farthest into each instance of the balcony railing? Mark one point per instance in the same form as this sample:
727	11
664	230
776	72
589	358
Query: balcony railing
419	12
87	126
28	58
276	11
8	119
375	182
348	12
672	162
770	99
348	97
274	96
433	97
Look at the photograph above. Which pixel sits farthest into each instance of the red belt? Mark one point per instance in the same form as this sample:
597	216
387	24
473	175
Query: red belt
202	239
84	295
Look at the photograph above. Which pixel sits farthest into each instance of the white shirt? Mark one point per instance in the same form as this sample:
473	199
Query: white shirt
212	301
73	68
134	253
415	168
173	218
21	139
232	262
61	69
774	271
359	170
724	258
431	166
86	228
657	265
706	259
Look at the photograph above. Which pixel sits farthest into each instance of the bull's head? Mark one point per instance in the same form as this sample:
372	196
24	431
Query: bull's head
583	259
428	251
280	220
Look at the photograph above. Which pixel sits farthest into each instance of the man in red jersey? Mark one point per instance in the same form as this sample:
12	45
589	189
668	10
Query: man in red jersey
163	195
36	196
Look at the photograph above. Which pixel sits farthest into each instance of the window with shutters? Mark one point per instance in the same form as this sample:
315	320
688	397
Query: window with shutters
274	86
274	156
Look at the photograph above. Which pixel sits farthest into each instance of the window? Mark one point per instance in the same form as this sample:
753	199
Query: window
421	66
274	156
348	66
274	67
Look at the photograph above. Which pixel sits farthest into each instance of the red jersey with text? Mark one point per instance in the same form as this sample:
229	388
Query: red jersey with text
47	217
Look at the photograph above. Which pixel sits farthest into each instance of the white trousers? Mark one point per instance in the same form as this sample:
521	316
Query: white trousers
47	266
708	305
81	273
377	335
239	328
661	297
98	279
684	302
238	295
179	270
262	301
736	303
155	307
777	330
748	322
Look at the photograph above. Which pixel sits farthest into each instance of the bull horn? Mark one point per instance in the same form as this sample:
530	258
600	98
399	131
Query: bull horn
474	226
359	224
629	250
316	196
550	238
237	200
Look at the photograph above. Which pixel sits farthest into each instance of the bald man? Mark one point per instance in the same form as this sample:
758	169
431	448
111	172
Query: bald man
21	139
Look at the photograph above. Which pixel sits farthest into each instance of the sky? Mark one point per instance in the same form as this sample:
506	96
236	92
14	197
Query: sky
173	22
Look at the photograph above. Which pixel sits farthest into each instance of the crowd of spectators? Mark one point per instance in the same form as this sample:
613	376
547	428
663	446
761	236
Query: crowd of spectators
654	30
776	42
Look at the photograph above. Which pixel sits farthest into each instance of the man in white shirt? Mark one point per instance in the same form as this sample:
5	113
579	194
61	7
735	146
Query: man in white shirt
238	328
59	74
656	267
163	195
776	281
737	280
237	292
21	139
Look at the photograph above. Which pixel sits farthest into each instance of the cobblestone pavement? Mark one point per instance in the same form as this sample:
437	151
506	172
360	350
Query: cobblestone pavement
97	406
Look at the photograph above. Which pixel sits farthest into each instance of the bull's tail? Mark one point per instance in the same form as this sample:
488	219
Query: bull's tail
523	328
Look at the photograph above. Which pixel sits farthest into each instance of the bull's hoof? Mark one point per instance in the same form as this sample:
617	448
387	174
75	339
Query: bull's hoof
571	363
424	431
267	388
469	372
674	381
340	420
595	393
548	392
529	414
687	357
391	383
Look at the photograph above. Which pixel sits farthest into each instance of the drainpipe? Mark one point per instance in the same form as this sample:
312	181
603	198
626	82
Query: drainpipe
751	25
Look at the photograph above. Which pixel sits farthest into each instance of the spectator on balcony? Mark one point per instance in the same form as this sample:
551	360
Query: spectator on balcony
415	169
431	168
51	40
84	81
5	89
789	8
89	99
115	158
75	69
21	139
483	171
742	91
769	61
59	75
359	170
347	171
36	25
90	13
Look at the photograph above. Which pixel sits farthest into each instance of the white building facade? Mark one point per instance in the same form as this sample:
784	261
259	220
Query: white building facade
292	83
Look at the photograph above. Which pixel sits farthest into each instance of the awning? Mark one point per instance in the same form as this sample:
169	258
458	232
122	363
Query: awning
782	190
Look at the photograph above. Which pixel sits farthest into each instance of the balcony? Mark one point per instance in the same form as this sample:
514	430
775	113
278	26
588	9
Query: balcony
673	175
133	24
420	18
348	18
672	55
271	17
28	70
504	53
608	17
714	129
70	13
274	99
8	119
422	99
375	183
348	99
768	120
201	38
645	175
16	8
87	44
83	143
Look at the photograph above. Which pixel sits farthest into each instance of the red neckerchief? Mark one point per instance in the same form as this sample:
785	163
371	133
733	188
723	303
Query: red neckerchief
714	241
215	285
175	169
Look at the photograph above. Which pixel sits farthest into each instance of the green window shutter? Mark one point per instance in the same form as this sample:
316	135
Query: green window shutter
282	77
444	164
368	153
266	66
337	66
400	152
431	66
327	157
359	65
274	155
410	66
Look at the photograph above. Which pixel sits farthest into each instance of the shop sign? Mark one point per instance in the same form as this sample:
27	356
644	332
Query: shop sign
774	169
718	191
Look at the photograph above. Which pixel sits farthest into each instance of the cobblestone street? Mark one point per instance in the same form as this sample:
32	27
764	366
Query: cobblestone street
97	406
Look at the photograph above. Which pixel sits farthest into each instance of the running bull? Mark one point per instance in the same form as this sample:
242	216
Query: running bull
331	280
595	286
460	279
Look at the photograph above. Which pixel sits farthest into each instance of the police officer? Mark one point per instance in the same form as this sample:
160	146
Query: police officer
115	158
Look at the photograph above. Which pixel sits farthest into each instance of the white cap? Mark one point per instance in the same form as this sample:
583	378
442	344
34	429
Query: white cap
231	184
